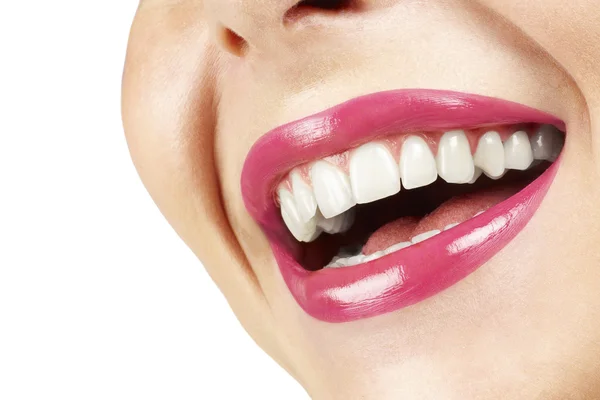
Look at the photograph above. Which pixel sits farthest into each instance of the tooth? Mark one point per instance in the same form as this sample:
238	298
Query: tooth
545	141
478	214
332	189
374	174
373	256
517	152
339	263
417	164
397	246
314	236
352	261
557	147
454	160
424	236
496	177
490	154
302	231
448	227
304	197
338	224
478	172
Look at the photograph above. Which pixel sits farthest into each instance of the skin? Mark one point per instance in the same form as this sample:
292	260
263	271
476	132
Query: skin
195	98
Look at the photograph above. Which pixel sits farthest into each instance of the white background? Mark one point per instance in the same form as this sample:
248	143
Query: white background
99	299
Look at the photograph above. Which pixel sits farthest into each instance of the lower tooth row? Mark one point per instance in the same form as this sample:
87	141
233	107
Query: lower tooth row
341	262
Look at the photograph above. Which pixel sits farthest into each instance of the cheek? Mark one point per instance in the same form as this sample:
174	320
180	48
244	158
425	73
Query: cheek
562	29
242	119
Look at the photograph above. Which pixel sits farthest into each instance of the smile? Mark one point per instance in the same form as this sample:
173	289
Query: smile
388	199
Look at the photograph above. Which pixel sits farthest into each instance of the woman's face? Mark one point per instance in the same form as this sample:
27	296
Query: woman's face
506	304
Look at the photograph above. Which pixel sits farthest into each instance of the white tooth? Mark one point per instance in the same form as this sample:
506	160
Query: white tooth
304	197
314	236
478	214
338	224
478	172
448	227
417	164
332	189
374	174
517	152
489	155
373	256
302	231
545	141
337	264
397	246
425	236
495	178
359	259
454	159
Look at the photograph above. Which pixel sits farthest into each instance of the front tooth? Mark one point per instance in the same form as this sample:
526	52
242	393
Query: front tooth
302	231
417	164
304	197
338	224
517	152
352	261
373	173
495	178
397	246
373	256
454	159
490	154
448	227
332	189
424	236
478	173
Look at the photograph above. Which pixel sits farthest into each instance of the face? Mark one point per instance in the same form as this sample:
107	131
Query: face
399	199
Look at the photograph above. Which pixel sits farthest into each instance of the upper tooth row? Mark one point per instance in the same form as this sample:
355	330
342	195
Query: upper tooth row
373	174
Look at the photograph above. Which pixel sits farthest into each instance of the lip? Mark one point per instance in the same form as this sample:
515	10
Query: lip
413	274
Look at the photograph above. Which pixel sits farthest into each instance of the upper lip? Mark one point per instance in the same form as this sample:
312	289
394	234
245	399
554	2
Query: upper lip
348	125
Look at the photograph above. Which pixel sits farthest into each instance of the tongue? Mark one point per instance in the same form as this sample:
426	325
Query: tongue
455	210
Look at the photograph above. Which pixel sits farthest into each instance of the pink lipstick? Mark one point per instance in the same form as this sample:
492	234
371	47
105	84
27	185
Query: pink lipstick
412	274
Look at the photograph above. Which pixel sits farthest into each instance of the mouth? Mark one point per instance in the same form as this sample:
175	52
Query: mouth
388	199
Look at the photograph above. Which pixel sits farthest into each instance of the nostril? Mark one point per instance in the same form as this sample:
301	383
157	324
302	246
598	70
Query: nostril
232	42
325	4
307	7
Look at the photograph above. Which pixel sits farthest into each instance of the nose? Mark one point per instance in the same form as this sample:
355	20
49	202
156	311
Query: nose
243	25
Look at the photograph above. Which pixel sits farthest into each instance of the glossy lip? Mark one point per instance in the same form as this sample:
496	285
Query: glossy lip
412	274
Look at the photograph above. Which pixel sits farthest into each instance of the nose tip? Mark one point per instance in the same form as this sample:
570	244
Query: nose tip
245	24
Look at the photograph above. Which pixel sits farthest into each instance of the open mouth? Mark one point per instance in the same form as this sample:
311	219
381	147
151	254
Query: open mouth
388	199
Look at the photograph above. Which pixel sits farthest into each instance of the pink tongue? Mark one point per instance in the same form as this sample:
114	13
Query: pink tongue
455	210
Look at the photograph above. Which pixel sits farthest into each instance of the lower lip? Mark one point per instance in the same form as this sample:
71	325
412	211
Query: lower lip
413	274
